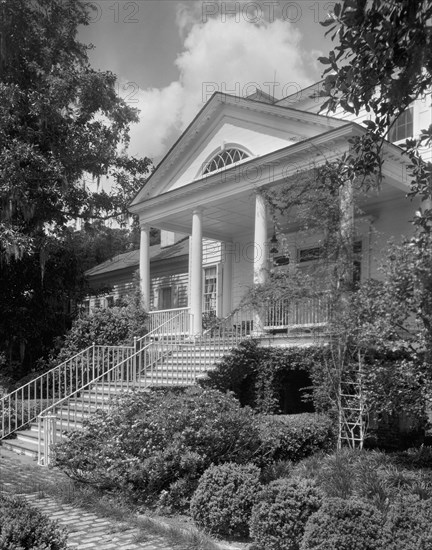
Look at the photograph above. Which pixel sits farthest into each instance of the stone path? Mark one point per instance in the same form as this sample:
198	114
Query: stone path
20	475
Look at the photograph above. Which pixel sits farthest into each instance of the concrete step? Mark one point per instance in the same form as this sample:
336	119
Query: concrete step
170	384
200	353
26	448
167	371
173	379
31	435
180	368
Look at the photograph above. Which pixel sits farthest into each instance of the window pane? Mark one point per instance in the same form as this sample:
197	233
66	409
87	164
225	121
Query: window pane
210	290
403	128
224	158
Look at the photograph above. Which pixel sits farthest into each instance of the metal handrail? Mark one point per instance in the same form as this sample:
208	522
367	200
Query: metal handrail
17	409
122	376
138	362
182	312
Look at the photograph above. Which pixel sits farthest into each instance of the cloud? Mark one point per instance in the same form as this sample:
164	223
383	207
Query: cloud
228	54
160	111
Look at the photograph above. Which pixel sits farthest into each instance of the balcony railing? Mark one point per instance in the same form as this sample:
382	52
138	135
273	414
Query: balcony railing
299	313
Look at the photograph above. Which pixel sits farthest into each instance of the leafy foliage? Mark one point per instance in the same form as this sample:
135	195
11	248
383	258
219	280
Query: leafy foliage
222	503
380	478
60	120
260	376
345	525
63	129
408	525
38	311
396	377
151	443
22	526
382	63
112	326
296	436
278	519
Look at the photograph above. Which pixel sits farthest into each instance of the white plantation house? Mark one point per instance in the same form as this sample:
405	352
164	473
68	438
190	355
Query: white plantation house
216	243
208	187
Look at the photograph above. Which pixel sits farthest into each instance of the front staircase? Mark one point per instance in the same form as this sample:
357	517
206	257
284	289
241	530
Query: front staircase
71	392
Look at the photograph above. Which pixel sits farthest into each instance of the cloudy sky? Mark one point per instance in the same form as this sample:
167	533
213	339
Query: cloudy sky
170	56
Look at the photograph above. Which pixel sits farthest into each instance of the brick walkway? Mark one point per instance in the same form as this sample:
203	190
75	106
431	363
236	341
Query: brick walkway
86	530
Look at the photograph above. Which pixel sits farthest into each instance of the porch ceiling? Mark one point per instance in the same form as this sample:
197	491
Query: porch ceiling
227	218
223	219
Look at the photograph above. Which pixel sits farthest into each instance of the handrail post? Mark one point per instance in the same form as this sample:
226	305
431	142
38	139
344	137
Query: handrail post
93	356
134	361
39	440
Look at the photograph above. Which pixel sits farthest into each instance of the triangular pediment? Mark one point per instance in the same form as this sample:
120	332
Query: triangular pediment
255	127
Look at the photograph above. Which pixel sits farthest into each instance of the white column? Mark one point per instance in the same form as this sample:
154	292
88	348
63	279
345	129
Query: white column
195	274
227	266
145	265
260	254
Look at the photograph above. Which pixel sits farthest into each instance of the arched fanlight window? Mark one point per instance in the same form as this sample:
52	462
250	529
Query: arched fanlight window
224	158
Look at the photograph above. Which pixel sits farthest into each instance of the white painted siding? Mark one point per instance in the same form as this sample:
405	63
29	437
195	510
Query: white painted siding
179	285
241	251
392	222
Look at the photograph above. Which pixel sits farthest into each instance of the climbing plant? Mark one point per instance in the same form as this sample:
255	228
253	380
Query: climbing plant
369	354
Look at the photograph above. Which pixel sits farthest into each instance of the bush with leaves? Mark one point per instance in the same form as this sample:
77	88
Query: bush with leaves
370	475
22	526
222	503
295	436
278	519
344	524
408	525
150	443
112	326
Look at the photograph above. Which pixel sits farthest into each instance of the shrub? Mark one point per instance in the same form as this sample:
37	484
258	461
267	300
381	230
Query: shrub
149	441
408	525
276	470
279	517
222	503
371	475
420	457
22	526
111	326
345	525
296	436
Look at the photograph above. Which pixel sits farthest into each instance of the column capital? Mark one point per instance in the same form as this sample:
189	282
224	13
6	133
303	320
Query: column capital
198	210
144	226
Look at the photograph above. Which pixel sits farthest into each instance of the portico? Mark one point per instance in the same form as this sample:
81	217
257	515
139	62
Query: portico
210	186
249	251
